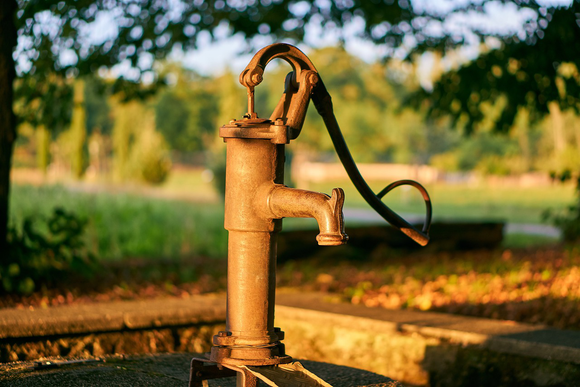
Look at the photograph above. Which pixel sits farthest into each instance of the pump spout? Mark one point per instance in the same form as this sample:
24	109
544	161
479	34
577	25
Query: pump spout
284	202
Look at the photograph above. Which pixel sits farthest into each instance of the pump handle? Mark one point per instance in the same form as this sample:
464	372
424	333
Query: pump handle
323	103
303	83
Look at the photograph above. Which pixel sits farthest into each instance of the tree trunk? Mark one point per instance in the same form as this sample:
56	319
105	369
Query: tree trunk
7	118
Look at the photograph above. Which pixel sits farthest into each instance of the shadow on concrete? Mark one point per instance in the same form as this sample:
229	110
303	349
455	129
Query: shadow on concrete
557	312
163	370
482	366
444	237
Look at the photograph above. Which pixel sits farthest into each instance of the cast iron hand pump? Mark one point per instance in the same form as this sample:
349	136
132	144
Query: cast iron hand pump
256	200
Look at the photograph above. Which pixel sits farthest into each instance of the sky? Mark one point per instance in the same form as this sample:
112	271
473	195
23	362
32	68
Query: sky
213	57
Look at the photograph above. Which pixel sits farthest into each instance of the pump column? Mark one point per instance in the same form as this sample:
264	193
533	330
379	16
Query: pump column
251	164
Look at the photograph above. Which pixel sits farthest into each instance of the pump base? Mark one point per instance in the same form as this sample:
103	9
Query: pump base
249	376
250	356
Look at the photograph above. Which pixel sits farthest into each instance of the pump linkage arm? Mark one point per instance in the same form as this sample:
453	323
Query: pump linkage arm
301	85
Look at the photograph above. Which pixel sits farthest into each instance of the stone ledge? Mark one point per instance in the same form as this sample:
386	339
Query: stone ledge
111	316
502	336
417	348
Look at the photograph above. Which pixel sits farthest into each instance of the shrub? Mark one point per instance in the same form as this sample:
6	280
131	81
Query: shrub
36	257
568	220
149	157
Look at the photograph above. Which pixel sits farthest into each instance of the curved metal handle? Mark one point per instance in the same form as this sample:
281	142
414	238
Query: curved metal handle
252	75
298	85
302	84
323	103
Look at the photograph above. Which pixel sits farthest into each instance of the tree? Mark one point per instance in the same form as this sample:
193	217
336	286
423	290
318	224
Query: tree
7	117
54	47
184	112
77	133
539	73
535	77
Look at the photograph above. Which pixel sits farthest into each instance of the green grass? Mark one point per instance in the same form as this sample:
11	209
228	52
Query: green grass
128	225
125	225
190	182
465	202
517	240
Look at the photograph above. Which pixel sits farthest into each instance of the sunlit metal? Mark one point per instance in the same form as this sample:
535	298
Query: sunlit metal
256	200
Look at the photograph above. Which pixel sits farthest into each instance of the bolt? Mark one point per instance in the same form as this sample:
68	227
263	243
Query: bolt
223	334
312	78
256	78
233	121
279	122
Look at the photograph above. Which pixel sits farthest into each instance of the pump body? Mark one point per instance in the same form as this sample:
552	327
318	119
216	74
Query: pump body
256	201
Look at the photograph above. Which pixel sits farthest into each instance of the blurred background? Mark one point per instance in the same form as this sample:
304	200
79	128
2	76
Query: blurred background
117	171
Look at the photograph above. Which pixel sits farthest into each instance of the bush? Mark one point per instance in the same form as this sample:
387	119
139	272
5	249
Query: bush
149	156
569	220
217	164
36	258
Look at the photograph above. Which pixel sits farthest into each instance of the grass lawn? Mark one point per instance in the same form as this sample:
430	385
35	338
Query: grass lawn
129	225
465	202
184	216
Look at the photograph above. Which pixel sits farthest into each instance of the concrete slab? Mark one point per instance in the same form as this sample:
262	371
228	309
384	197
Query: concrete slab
161	370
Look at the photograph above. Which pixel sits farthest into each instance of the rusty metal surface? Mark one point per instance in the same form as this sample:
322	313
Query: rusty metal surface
256	201
201	371
287	375
292	107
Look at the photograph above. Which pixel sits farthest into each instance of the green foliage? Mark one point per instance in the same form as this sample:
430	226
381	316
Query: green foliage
171	116
125	116
98	110
217	164
527	73
567	220
149	158
493	165
123	225
139	151
156	28
44	99
185	113
487	153
35	257
145	27
42	148
73	141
